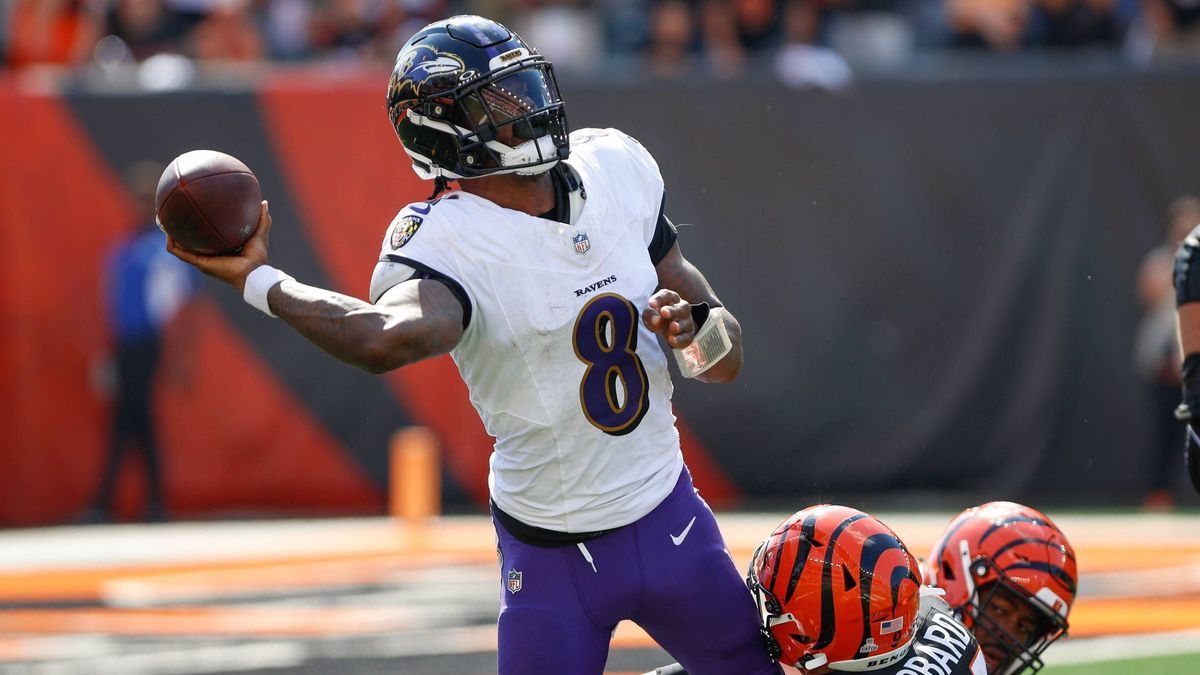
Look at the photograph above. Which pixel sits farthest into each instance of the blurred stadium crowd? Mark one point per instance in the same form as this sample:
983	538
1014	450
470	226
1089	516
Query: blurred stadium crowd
802	42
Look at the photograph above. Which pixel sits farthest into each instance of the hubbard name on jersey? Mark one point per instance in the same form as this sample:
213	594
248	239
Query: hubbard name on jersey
942	645
572	386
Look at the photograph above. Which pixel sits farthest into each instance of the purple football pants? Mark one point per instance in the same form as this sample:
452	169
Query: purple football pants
558	609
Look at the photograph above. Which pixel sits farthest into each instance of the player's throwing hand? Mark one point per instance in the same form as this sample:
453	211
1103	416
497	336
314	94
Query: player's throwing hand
670	315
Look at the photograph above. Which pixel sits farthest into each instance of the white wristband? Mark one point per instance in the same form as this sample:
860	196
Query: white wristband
258	283
710	345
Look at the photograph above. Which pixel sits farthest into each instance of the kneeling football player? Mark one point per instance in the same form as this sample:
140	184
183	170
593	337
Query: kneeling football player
1009	574
838	591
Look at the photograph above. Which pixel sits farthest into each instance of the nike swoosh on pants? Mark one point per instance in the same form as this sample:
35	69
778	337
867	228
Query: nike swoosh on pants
677	540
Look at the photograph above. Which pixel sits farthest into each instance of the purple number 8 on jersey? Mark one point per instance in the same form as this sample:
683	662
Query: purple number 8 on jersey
606	340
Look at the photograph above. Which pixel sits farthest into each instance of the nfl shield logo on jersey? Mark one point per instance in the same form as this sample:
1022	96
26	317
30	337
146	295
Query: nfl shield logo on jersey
582	245
514	580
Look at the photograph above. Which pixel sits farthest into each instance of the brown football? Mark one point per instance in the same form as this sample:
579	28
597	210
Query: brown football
208	202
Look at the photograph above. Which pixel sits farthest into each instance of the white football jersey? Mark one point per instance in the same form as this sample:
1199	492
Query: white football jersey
572	386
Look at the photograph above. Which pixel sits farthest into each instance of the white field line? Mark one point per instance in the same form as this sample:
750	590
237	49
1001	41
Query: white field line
1118	647
198	659
101	656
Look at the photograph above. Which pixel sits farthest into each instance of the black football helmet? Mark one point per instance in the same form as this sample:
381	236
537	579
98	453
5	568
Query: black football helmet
469	98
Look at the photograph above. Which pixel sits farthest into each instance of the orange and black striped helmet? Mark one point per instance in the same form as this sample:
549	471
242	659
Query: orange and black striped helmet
1011	549
836	590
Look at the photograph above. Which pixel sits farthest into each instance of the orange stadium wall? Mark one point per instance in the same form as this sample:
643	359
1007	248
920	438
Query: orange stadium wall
936	282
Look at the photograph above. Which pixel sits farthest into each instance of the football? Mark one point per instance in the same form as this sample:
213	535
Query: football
208	202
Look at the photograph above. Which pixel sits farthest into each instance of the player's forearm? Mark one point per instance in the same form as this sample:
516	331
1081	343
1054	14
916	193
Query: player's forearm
727	369
373	338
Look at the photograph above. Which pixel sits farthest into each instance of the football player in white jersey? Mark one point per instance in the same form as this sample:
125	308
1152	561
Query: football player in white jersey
548	276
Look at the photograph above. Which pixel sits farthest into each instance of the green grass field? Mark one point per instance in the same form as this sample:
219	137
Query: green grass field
1179	664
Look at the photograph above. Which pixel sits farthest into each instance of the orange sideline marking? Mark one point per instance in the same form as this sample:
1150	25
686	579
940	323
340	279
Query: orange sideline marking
87	584
1090	618
229	621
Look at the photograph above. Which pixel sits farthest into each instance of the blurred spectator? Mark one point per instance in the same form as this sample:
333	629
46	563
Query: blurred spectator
227	33
670	51
146	27
1070	23
146	287
51	32
998	24
1157	347
626	26
345	27
286	28
871	34
738	31
360	30
1006	25
568	32
1171	28
780	36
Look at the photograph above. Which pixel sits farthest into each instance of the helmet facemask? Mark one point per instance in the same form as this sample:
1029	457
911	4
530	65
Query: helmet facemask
770	611
511	120
1003	597
777	626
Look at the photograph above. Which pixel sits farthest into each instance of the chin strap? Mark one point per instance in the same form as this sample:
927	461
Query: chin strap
440	185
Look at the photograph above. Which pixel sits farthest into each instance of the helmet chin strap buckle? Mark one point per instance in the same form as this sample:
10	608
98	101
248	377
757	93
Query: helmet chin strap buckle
815	662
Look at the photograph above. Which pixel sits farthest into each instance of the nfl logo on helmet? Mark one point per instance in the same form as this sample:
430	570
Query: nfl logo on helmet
514	580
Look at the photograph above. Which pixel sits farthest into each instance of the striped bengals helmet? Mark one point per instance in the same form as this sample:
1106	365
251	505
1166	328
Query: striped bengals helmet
1002	547
836	590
